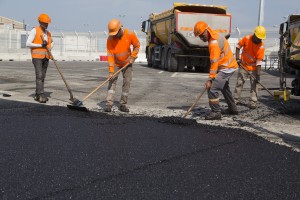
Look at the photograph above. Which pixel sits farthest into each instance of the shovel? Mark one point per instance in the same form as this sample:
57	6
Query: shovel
5	95
74	100
77	105
194	104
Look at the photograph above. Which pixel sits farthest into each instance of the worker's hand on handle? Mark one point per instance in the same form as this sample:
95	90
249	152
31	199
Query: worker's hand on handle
207	84
45	43
131	60
110	76
238	61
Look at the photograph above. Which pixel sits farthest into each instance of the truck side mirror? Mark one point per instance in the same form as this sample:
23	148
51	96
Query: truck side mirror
143	26
282	28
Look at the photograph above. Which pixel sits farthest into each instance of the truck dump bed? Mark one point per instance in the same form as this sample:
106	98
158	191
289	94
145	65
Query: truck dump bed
185	16
294	59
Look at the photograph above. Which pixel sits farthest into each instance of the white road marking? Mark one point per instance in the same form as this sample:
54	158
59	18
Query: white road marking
173	75
160	72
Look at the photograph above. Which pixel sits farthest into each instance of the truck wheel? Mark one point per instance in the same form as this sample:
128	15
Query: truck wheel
171	62
181	64
153	59
163	59
149	60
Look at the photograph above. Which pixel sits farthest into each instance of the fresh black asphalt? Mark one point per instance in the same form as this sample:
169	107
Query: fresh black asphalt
50	152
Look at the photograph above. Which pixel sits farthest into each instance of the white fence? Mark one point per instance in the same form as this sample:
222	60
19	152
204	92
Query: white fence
89	46
69	46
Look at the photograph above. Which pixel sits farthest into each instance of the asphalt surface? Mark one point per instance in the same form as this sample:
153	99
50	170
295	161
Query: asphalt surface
51	152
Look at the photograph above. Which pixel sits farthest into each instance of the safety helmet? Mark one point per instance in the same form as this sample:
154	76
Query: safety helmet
44	18
260	32
114	26
199	28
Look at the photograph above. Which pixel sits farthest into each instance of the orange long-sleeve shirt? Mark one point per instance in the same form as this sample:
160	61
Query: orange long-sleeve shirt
119	49
221	56
252	54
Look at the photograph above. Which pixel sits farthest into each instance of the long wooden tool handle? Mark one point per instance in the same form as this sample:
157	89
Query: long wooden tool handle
196	101
256	80
97	88
281	103
59	70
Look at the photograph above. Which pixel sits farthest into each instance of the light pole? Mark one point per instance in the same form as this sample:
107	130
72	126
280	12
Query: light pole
261	13
239	32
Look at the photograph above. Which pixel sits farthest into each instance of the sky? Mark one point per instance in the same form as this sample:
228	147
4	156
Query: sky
93	15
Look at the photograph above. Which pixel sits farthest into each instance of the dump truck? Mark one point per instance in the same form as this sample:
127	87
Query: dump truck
170	41
289	54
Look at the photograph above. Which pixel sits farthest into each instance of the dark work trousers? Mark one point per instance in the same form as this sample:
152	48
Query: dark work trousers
127	77
40	66
221	83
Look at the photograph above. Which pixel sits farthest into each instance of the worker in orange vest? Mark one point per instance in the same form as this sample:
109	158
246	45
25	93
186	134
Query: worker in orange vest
119	54
39	54
223	65
251	58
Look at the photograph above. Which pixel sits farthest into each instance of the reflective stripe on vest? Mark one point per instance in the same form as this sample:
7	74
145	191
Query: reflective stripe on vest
40	52
221	43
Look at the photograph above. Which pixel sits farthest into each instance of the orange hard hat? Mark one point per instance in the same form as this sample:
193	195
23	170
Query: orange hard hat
114	26
44	18
199	28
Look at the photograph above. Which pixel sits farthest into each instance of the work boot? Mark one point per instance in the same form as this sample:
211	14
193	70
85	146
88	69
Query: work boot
41	98
213	116
108	109
252	106
123	108
237	102
229	112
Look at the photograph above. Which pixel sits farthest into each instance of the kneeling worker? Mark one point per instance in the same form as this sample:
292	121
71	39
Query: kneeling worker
223	65
119	55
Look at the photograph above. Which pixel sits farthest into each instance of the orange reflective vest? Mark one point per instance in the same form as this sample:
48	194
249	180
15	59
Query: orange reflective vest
221	56
40	52
252	54
119	51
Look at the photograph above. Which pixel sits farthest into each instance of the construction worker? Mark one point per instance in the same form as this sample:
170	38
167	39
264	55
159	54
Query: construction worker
39	54
223	65
119	55
252	56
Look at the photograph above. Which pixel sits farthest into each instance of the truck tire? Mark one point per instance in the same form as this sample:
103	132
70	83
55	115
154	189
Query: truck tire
163	59
154	65
149	60
181	64
171	62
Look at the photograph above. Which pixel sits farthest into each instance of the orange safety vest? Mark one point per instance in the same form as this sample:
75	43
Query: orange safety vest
40	52
221	56
252	54
119	51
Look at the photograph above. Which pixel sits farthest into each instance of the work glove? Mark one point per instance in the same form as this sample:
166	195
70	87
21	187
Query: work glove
131	60
238	61
110	75
207	84
45	43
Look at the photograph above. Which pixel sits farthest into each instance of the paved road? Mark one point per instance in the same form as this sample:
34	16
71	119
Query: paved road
50	152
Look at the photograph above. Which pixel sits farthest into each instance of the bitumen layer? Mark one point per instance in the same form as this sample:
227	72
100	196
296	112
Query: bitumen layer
51	152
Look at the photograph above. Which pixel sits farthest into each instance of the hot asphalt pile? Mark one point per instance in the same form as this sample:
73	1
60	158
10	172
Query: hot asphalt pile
50	152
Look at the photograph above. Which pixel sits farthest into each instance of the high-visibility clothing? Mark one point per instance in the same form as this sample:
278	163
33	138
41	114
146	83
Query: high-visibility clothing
40	52
119	51
252	54
221	56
